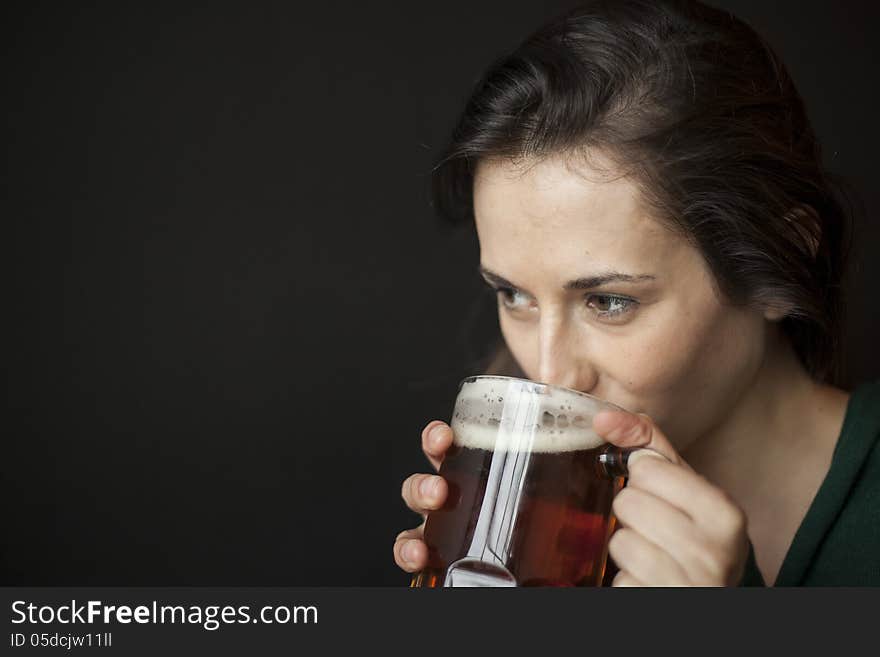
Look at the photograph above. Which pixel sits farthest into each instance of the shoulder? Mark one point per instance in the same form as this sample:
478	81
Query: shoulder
850	551
857	452
861	424
865	400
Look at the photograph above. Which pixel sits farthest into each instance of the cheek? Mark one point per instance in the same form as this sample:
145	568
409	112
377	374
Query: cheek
701	363
717	346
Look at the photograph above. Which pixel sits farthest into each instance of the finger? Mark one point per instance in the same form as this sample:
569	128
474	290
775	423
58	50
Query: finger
644	560
410	552
623	578
668	528
706	504
424	492
415	532
626	429
644	452
436	440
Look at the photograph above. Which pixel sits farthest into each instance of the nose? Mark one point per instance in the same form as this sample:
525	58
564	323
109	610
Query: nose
562	358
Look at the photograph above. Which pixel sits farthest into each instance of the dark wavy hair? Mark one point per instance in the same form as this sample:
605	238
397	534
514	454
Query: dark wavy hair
699	110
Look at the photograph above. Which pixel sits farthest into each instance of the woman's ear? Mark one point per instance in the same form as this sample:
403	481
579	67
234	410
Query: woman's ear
775	310
775	314
804	221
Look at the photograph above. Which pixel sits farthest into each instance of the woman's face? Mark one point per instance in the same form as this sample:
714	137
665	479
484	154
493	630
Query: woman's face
596	295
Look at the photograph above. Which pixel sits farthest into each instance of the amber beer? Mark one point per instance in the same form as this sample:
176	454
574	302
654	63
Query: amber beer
530	490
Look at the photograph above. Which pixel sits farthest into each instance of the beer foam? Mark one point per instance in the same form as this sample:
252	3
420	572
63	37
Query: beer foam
502	413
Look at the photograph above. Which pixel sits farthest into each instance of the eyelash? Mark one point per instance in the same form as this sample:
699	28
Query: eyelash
628	304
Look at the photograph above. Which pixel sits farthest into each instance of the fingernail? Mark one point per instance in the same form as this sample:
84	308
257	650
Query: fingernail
408	552
624	426
615	433
428	487
436	433
644	453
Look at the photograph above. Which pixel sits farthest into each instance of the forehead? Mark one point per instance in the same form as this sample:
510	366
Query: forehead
578	214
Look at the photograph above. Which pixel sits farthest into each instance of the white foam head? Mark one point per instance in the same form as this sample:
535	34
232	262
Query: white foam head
504	413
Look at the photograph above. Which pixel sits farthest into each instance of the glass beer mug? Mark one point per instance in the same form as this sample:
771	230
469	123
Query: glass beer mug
530	489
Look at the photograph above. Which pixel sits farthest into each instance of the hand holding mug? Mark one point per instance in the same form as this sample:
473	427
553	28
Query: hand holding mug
423	493
675	527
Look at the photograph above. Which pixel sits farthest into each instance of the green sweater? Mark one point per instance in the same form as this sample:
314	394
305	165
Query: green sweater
838	541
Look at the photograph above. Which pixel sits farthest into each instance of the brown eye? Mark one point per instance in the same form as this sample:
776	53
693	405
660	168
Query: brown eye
601	302
512	299
609	305
506	295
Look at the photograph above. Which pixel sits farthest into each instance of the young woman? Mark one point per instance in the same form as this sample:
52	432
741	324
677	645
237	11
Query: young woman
652	211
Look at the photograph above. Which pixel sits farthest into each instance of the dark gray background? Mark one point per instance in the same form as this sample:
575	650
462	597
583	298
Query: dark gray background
230	308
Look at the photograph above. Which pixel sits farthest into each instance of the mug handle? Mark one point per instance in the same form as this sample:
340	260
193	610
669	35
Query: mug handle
613	461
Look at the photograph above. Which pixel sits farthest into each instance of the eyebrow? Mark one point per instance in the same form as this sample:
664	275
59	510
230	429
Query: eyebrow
583	283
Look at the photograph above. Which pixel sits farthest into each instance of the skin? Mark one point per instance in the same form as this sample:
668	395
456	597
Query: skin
716	389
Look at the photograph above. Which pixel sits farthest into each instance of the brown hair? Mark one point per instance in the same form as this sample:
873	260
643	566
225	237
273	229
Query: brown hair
699	109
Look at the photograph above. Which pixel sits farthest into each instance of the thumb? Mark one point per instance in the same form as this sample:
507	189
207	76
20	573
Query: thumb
626	429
